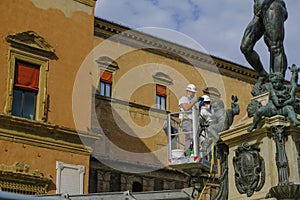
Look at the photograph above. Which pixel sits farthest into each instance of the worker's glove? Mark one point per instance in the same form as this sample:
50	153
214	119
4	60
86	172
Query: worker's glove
197	99
201	103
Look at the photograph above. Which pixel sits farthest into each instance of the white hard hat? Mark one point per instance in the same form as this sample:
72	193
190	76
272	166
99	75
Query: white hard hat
191	87
205	98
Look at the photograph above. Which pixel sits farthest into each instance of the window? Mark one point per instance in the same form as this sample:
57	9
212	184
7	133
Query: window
27	86
107	69
105	84
27	75
25	90
162	80
161	96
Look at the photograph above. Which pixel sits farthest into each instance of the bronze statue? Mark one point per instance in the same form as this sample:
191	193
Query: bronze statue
222	119
281	99
268	21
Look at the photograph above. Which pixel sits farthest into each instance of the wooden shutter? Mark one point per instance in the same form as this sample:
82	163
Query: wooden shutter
106	77
27	76
161	90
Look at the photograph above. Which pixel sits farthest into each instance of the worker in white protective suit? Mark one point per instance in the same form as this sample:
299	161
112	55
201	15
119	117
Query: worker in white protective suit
205	114
187	104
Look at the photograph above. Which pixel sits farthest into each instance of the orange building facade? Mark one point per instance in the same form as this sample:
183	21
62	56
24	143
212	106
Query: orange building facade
40	147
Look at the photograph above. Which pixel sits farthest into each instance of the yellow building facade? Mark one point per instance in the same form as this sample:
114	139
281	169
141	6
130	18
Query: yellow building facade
142	69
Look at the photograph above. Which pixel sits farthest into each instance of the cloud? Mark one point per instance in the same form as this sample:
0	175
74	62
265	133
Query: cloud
216	25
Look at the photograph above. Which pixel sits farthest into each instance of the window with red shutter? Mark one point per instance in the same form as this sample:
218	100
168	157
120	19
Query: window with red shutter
161	95
25	89
105	83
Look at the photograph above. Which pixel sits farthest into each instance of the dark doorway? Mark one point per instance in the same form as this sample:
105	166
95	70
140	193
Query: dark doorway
137	187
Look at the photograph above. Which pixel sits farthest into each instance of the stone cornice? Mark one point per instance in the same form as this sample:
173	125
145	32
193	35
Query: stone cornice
90	3
105	29
32	42
238	133
132	107
45	135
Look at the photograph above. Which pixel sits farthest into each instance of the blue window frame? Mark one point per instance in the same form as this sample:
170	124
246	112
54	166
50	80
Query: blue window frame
24	103
160	102
105	89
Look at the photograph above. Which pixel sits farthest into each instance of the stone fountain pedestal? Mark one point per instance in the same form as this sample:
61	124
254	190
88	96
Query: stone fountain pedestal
274	186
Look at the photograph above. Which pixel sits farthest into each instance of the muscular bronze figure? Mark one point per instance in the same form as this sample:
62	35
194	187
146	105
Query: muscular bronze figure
268	21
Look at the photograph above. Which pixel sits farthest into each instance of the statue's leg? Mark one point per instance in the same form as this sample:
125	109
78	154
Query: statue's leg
262	111
274	36
290	112
252	34
256	119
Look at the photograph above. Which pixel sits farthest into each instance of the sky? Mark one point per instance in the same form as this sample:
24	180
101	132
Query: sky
215	25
